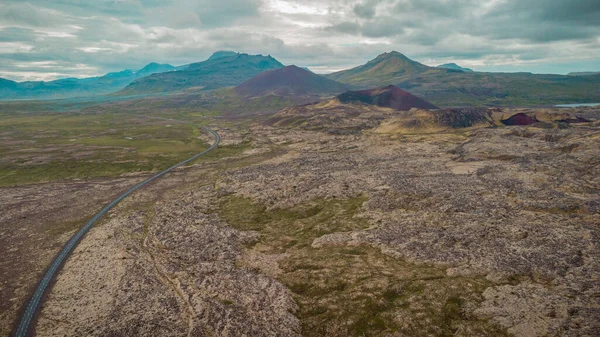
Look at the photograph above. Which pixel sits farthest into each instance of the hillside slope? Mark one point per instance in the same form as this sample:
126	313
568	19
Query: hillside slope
388	97
289	81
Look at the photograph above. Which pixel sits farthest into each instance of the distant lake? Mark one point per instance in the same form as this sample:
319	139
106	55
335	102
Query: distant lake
576	105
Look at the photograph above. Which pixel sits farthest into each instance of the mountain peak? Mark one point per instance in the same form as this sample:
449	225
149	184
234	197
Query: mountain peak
397	59
390	67
292	69
210	74
153	68
155	65
391	55
394	53
221	54
4	81
454	66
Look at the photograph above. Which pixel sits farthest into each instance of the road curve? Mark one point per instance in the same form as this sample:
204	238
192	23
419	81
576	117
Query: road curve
34	304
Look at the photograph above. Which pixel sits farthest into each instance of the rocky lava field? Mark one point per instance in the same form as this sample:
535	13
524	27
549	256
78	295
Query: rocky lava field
352	229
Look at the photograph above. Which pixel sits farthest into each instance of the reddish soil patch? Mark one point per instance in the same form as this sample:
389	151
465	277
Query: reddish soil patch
390	97
289	80
520	119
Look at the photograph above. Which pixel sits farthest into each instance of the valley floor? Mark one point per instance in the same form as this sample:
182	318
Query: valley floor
488	232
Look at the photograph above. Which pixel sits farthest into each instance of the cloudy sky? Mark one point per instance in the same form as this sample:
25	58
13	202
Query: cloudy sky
48	39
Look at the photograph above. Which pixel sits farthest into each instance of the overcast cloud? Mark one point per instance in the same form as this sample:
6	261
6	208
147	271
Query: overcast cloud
48	39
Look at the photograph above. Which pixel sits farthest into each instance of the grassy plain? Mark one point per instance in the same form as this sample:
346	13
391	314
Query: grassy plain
41	147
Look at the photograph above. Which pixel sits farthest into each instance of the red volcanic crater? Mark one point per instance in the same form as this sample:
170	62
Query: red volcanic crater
390	97
290	81
519	119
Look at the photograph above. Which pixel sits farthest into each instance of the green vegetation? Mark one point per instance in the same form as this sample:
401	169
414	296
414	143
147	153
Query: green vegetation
317	218
355	290
227	100
48	147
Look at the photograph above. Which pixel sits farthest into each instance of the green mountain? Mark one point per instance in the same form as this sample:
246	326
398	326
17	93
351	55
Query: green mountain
455	67
450	87
385	69
153	68
223	70
222	53
77	87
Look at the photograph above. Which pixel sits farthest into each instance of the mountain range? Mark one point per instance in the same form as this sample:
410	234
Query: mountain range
222	69
446	85
584	73
449	87
77	87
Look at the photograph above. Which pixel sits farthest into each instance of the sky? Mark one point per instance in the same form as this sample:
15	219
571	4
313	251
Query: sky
50	39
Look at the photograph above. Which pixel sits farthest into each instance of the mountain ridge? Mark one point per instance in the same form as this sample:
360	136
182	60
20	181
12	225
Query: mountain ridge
72	87
212	73
222	53
584	73
439	85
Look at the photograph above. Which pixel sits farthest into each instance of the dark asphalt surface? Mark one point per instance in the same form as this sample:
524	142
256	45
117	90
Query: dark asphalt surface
35	302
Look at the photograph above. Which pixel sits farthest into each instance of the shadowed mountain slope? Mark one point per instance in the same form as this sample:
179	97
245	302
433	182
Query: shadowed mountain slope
289	81
389	97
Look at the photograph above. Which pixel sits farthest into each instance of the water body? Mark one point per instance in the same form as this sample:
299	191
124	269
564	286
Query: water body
576	105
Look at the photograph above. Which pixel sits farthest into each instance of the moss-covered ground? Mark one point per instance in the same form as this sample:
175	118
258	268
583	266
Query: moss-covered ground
357	290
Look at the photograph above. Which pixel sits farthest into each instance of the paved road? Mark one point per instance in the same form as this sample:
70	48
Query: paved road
34	304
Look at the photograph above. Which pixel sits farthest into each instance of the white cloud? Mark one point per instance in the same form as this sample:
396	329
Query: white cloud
14	47
108	35
293	7
59	34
